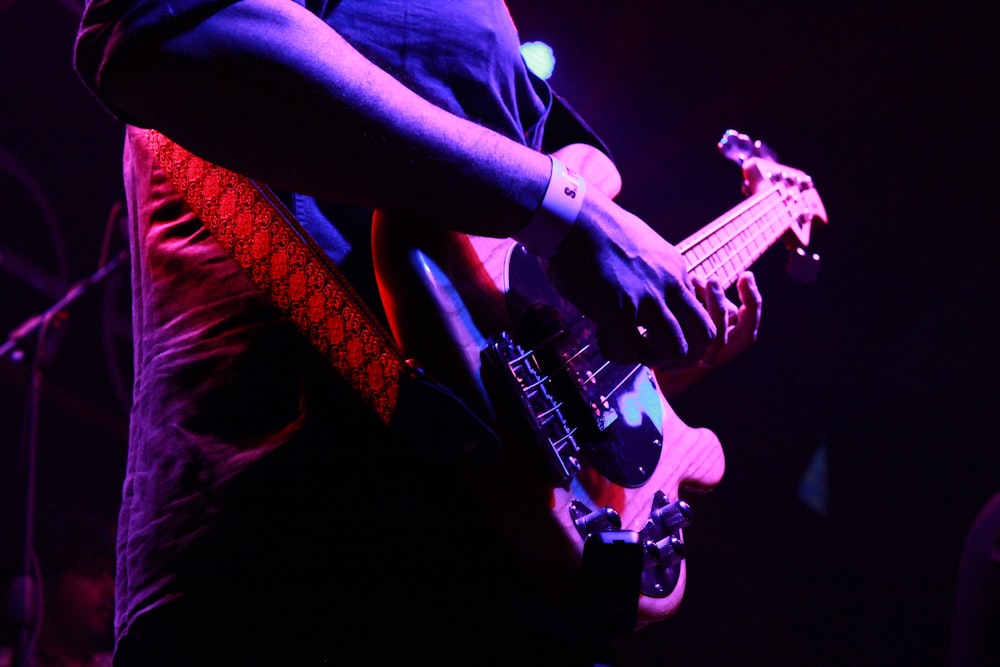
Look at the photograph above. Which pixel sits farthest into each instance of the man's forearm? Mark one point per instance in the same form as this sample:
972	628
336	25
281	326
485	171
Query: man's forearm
266	88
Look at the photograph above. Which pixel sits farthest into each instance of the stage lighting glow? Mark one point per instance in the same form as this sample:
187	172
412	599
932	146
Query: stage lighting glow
539	58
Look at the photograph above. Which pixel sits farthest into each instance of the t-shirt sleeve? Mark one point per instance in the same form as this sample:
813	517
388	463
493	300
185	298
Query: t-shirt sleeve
109	28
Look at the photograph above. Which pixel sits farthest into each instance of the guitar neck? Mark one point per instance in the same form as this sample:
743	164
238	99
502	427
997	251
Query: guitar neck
728	245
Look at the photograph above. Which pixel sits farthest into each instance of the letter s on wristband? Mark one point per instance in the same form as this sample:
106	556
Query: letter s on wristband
555	217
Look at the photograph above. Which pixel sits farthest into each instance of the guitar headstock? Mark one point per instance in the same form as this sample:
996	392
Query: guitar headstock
738	147
761	172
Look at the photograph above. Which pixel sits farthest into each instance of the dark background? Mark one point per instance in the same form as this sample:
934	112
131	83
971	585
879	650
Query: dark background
886	365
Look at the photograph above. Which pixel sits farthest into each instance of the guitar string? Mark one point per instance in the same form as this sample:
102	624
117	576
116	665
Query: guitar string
591	374
768	216
742	216
725	219
769	233
547	416
790	178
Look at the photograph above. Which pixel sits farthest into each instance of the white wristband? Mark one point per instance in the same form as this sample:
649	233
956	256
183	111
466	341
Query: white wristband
555	217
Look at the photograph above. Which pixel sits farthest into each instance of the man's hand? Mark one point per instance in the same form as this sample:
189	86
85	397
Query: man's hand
737	326
634	285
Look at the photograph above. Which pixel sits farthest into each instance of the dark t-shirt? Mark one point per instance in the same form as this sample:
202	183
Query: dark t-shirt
264	506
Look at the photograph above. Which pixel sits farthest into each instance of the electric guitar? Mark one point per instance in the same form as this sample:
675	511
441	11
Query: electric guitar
589	447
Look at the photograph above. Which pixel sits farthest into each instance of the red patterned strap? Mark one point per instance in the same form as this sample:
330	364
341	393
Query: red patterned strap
283	261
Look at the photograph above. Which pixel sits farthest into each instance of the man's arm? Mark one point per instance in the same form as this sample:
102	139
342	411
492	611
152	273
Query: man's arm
265	88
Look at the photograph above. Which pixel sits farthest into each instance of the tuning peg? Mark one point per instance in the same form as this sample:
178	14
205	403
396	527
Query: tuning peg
668	551
739	147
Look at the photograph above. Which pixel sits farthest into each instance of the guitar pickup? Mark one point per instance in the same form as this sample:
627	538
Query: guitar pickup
604	417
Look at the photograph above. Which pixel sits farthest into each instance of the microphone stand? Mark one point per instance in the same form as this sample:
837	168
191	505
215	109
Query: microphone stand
35	323
25	603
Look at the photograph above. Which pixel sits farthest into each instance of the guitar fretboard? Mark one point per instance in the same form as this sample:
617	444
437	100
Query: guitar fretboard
727	246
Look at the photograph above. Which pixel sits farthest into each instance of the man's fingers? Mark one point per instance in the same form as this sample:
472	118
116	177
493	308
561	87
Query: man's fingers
679	334
663	340
659	337
751	302
718	307
621	343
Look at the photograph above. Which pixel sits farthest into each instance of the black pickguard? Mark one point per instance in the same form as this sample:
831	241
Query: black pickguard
606	413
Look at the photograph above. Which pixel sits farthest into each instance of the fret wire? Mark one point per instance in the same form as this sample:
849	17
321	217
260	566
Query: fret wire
770	229
729	224
725	220
768	216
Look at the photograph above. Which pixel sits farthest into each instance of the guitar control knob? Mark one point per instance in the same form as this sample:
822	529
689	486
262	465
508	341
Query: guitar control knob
589	521
672	516
668	551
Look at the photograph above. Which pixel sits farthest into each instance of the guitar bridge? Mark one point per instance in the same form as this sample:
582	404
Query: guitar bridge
553	435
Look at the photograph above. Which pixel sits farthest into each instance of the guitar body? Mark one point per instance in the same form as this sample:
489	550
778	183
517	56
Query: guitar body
596	447
590	450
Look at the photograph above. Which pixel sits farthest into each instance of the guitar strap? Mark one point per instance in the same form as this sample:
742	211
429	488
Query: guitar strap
286	263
